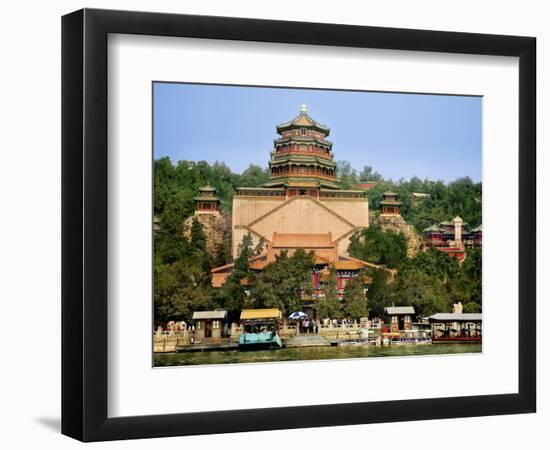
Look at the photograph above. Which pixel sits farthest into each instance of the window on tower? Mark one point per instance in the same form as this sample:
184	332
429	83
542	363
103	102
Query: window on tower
303	131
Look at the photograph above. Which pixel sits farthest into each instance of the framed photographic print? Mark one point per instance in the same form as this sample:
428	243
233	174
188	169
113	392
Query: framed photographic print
273	224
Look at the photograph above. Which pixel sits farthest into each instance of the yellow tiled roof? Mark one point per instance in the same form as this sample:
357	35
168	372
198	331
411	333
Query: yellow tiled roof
258	265
348	265
219	278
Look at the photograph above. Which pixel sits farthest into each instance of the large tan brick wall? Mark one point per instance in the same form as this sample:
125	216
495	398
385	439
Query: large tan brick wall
297	215
354	210
247	209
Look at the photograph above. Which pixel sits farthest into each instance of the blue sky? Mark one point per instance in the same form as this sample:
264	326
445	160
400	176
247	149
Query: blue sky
399	135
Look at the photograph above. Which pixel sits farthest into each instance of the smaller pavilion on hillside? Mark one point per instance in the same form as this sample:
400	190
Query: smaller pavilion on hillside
207	201
390	205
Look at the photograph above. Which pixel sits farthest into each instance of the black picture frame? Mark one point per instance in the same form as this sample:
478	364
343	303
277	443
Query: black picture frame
84	224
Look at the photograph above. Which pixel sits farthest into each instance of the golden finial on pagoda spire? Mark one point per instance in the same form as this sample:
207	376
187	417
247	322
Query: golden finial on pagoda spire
303	108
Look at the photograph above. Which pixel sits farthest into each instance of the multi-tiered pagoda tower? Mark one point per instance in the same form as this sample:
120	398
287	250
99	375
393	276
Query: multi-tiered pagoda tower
302	197
302	161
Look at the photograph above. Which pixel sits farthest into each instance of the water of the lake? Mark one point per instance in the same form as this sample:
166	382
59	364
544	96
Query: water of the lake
309	353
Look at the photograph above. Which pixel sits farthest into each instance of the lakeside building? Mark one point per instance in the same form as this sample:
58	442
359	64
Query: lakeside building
400	318
456	327
209	325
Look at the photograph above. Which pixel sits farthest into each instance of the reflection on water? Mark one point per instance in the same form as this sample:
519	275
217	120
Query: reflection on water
309	353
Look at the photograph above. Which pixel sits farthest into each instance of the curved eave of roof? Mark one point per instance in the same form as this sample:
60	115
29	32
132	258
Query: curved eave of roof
302	140
297	123
206	199
297	182
390	203
287	182
328	184
302	158
207	188
345	191
246	188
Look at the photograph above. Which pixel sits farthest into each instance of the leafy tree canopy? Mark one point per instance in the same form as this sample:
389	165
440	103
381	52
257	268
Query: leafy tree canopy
379	247
330	306
282	282
355	304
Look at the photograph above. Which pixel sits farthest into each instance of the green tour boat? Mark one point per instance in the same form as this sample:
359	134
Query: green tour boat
260	329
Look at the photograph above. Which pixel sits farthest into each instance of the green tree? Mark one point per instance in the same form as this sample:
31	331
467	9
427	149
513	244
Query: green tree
381	293
284	281
245	252
432	262
198	238
379	247
355	303
177	207
179	290
223	250
426	293
254	176
369	174
346	175
198	246
232	294
259	246
170	248
472	307
330	306
471	273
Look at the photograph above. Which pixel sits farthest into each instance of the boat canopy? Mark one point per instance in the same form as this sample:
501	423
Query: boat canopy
254	314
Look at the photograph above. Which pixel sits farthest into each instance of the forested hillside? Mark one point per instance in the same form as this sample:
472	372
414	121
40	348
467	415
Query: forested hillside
431	281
